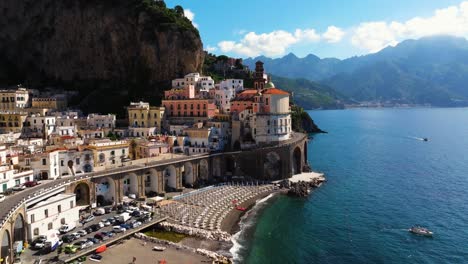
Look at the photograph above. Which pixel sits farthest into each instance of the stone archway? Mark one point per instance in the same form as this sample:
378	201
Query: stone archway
203	171
272	166
151	183
297	161
82	193
188	176
170	178
105	191
19	229
6	247
130	184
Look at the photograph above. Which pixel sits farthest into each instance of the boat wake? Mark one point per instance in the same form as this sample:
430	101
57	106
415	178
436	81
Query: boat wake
247	223
418	138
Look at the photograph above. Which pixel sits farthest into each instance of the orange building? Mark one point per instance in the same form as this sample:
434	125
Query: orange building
190	108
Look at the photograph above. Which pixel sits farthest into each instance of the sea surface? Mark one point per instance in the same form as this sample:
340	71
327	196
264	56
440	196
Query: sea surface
382	179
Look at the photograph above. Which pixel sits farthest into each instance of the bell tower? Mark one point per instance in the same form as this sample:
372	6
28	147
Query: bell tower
259	80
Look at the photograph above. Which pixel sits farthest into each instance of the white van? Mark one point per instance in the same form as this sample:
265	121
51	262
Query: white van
67	228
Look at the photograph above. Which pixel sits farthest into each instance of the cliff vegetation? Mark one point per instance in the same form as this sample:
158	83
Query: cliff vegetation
111	52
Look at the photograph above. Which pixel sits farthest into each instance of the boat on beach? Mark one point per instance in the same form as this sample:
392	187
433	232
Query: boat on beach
240	208
156	248
418	230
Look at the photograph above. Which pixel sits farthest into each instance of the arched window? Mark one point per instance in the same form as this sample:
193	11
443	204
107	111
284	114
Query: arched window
102	157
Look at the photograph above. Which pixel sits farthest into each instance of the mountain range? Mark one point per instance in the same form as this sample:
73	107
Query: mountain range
430	70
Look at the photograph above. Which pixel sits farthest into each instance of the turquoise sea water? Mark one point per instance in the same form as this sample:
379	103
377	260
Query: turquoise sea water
381	181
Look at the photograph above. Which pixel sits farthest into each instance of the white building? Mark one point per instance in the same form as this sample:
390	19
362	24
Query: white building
202	83
45	165
51	214
39	125
101	121
226	91
10	177
74	161
273	122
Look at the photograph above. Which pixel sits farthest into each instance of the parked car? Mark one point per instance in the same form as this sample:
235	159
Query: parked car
107	233
106	222
80	244
31	183
108	209
100	224
82	232
118	229
2	197
70	249
136	213
94	240
99	211
89	218
75	235
40	243
19	187
68	238
126	226
101	236
94	227
136	224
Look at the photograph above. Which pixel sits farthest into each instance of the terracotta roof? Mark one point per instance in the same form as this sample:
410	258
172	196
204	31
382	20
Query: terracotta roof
67	137
275	91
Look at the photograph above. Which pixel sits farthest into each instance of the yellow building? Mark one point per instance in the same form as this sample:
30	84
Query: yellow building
49	103
109	153
141	114
11	100
12	121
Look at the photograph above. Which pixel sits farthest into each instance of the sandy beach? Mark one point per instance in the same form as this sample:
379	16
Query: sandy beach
124	253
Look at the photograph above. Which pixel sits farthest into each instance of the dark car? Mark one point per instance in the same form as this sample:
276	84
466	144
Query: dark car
107	234
111	221
95	227
136	213
126	226
108	209
68	238
31	183
89	229
94	240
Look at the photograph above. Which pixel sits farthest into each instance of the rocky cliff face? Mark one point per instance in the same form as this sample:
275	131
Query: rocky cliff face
119	41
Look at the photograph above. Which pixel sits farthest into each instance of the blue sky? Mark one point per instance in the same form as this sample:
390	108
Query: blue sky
332	28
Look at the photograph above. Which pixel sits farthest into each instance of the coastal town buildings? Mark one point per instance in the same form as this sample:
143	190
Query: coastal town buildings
101	121
142	115
11	100
108	153
51	214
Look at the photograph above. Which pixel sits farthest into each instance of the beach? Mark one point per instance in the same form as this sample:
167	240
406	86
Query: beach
144	254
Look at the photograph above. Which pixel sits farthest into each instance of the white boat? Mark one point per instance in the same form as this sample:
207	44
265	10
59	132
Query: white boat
156	248
420	231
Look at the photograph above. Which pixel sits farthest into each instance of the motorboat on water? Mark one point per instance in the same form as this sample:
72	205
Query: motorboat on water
425	139
418	230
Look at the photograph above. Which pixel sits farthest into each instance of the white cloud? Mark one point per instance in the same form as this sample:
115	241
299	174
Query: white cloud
333	34
211	48
191	16
374	36
270	44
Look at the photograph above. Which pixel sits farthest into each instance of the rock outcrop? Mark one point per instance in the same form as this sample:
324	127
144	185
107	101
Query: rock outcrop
302	122
121	43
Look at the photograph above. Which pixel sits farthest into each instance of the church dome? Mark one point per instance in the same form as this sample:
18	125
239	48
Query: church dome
269	85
